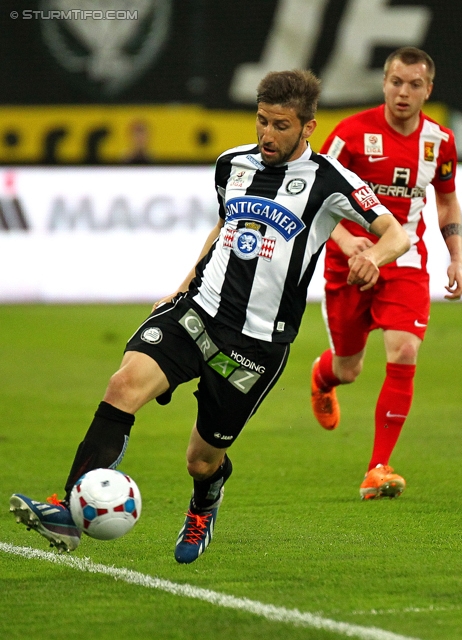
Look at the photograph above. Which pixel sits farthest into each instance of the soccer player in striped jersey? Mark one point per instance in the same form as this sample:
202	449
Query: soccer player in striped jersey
231	322
399	152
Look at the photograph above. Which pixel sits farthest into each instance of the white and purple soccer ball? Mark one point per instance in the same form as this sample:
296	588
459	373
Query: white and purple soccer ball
105	504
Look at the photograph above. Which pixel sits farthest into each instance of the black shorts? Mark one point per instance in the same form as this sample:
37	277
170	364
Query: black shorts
235	372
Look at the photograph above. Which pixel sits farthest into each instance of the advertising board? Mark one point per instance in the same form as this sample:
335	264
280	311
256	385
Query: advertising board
120	234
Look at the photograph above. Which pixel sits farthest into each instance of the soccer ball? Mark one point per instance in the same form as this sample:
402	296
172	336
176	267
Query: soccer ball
105	504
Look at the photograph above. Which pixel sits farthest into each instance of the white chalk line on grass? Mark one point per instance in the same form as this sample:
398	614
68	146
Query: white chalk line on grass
268	611
384	612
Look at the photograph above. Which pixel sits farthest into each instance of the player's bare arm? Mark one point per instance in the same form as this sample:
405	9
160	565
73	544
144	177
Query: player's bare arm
393	242
213	235
348	243
449	218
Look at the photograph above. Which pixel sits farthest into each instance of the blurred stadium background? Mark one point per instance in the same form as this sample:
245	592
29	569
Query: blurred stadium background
112	113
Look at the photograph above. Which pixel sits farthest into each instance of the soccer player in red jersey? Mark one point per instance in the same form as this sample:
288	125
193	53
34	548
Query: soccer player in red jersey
399	151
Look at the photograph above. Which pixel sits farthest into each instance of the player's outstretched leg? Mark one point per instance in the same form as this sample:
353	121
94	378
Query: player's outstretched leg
52	519
381	482
103	446
198	527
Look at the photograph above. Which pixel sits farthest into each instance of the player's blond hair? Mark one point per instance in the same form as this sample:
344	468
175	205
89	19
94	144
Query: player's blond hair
298	89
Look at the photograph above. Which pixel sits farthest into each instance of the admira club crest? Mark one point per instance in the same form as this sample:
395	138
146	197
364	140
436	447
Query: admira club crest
106	55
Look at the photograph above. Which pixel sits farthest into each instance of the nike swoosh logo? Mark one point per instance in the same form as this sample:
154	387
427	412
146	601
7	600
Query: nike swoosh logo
394	415
419	324
372	159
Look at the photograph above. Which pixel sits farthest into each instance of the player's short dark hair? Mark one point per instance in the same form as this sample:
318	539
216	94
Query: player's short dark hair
411	55
298	89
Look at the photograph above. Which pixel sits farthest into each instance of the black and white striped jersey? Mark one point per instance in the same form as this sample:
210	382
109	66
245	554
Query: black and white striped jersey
277	219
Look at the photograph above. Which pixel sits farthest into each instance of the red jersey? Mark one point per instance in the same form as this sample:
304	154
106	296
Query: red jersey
398	168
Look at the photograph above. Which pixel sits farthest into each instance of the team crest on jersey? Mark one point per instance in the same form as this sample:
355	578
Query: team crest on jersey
153	335
248	243
365	197
296	186
373	144
429	151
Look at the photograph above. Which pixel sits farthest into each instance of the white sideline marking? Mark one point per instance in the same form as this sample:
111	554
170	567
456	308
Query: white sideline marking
430	609
268	611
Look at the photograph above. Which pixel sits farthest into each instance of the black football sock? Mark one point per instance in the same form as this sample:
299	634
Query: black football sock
207	492
104	444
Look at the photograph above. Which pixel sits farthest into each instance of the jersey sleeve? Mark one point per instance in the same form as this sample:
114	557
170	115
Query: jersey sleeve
445	174
351	197
222	171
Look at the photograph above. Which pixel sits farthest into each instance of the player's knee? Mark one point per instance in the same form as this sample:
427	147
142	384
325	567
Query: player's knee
122	391
347	375
200	469
406	353
120	383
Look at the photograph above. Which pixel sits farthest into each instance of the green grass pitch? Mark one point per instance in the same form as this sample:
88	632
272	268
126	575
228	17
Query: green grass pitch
292	531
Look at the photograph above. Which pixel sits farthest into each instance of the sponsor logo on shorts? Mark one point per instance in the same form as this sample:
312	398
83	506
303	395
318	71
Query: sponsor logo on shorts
222	364
153	335
247	363
219	436
193	324
206	345
243	379
236	369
